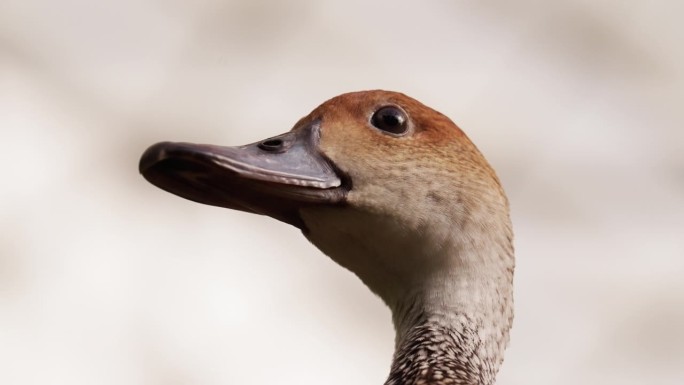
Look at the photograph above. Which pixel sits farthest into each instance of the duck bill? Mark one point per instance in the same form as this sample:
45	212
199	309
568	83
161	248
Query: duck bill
274	177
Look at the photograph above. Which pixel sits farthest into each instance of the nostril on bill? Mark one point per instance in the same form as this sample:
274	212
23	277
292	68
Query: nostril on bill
271	145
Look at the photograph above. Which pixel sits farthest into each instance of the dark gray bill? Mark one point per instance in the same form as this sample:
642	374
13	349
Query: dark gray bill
273	177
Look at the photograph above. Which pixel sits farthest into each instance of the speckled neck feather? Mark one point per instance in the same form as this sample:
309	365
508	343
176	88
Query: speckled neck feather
434	353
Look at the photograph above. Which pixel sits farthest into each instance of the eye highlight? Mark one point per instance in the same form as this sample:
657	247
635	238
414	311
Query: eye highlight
390	119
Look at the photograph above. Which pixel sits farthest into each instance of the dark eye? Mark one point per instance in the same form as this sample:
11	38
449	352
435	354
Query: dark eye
390	119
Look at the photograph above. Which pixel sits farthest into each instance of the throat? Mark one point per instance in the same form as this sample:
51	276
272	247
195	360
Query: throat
449	286
439	351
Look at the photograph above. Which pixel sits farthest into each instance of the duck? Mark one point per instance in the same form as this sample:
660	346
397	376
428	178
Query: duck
396	193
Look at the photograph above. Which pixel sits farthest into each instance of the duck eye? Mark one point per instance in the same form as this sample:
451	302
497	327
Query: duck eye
390	119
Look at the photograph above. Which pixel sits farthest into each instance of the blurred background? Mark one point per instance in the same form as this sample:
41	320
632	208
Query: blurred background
104	279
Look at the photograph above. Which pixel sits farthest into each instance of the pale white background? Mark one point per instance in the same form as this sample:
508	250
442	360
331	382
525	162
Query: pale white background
105	279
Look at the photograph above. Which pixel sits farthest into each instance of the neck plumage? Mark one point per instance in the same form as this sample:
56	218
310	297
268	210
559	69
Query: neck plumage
434	352
449	285
454	332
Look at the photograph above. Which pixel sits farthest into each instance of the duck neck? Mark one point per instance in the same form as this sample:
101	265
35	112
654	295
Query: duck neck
436	351
452	333
450	290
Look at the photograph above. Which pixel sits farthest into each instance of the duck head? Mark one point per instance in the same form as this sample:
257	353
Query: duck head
388	188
